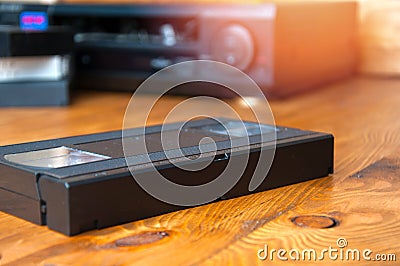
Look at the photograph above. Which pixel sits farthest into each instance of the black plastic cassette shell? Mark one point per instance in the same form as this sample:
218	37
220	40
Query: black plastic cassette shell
100	194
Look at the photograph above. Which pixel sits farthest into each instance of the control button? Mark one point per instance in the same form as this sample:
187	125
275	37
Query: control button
160	63
168	34
233	45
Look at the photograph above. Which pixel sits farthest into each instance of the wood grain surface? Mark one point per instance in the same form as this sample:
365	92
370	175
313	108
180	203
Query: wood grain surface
361	206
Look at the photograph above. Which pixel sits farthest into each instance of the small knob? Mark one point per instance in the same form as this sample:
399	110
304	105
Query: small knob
233	45
168	34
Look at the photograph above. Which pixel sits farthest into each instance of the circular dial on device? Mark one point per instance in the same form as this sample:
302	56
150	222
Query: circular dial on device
233	45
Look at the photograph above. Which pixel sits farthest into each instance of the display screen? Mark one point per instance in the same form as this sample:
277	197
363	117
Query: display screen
33	20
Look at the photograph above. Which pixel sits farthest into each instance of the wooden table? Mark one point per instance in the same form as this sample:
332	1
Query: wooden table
360	202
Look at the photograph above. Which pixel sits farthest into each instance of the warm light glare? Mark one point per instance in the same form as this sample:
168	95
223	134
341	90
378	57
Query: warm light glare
249	101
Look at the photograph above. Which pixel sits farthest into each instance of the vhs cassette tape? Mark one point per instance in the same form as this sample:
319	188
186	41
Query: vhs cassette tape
82	183
34	68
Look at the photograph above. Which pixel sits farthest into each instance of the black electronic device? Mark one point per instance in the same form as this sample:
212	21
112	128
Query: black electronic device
81	183
25	15
119	46
284	46
17	42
